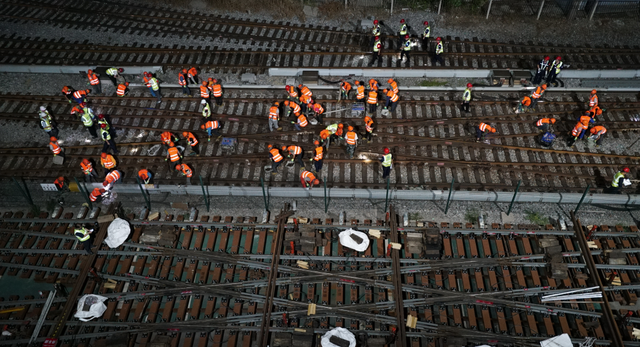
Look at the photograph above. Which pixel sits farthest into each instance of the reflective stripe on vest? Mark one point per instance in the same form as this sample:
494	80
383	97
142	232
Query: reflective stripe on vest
360	92
112	71
557	66
393	96
427	32
181	80
578	129
295	107
439	48
292	92
537	93
86	168
407	45
373	98
93	79
318	155
55	148
484	126
103	121
212	125
113	176
45	124
206	111
305	90
307	176
108	163
86	119
351	138
599	129
302	120
542	121
403	29
376	46
192	139
593	100
332	128
104	134
121	89
467	95
204	92
273	112
318	109
174	155
93	196
275	154
376	30
394	86
154	83
368	127
217	90
295	150
78	94
616	178
85	234
388	158
186	170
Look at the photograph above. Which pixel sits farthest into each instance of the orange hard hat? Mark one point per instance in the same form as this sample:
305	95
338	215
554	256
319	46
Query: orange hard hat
385	90
316	181
202	126
340	125
626	169
204	83
356	82
85	161
178	167
211	79
284	148
594	91
184	70
493	130
184	133
65	89
215	80
171	144
126	84
269	146
544	86
52	138
90	71
553	121
299	85
103	155
390	80
286	103
386	150
60	178
316	142
276	103
350	128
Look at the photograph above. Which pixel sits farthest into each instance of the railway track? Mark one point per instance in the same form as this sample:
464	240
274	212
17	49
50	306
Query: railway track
209	286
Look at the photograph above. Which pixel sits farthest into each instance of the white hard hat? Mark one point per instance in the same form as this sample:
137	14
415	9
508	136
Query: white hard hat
203	102
43	108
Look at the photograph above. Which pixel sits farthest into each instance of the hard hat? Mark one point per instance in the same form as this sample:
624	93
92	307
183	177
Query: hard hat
546	58
269	146
184	133
52	138
438	39
126	84
104	184
215	80
286	88
299	85
544	86
120	70
375	22
356	83
184	70
385	90
367	118
103	155
626	169
316	182
426	23
204	83
100	116
386	150
284	148
85	161
469	85
202	126
171	144
406	36
316	142
103	125
377	38
286	103
83	104
43	108
90	71
340	125
553	121
144	73
350	128
65	89
60	178
203	102
178	167
210	79
390	80
594	91
401	21
276	103
493	130
558	58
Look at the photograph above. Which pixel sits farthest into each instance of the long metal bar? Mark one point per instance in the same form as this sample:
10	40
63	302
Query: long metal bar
23	190
586	191
43	315
144	194
396	278
204	193
84	192
515	194
453	181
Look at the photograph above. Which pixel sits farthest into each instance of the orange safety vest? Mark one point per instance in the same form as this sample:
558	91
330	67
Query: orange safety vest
59	183
192	139
577	129
292	92
146	81
174	154
213	124
542	121
373	84
537	93
186	170
368	124
192	72
217	90
373	98
346	86
181	79
585	120
392	95
273	112
109	162
526	101
166	137
295	150
317	108
318	155
596	110
305	90
204	92
302	120
394	86
93	79
351	138
113	176
295	107
121	89
86	168
55	148
339	131
79	93
144	174
307	176
593	100
275	153
95	194
305	99
485	127
598	128
76	108
360	93
324	134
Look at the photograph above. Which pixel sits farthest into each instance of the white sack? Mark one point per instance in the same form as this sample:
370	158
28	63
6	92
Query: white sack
347	241
339	332
117	233
557	341
96	309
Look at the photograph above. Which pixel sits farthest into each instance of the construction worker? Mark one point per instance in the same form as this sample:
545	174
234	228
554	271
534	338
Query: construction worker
216	88
304	90
153	85
167	138
523	106
377	52
186	171
577	133
274	115
554	70
438	53
212	127
547	139
368	128
308	179
337	135
345	88
88	171
537	94
182	81
375	32
403	31
372	100
466	98
173	155
114	75
204	93
292	94
96	194
482	129
392	99
94	81
60	183
597	134
292	108
55	147
325	137
276	158
317	158
46	122
87	119
206	109
595	111
426	34
68	93
84	237
393	85
360	92
111	178
351	139
103	120
586	119
374	85
76	110
79	96
618	180
145	176
192	75
305	102
593	99
122	90
318	110
387	162
108	162
192	141
543	123
300	123
108	141
541	71
295	153
405	49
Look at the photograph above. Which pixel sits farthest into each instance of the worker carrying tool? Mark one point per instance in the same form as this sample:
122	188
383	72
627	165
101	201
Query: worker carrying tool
94	82
317	158
308	179
437	57
351	139
537	94
68	93
192	75
276	158
543	123
111	178
47	123
96	194
554	70
216	88
597	134
405	50
186	171
541	71
84	237
108	162
192	141
392	100
482	130
372	100
292	93
173	154
182	81
387	163
466	98
345	88
274	115
212	127
54	146
88	171
619	180
295	153
426	34
122	90
376	55
114	75
145	176
360	92
368	128
523	105
167	138
577	133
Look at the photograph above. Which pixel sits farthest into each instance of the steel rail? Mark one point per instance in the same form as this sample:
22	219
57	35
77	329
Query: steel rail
396	279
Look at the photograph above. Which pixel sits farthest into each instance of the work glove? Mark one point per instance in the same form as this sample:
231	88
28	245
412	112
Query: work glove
165	159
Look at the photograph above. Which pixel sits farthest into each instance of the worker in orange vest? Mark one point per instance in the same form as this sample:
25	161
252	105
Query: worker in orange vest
173	154
304	90
60	183
393	85
392	99
94	81
593	98
153	85
79	96
68	93
122	90
276	158
351	139
274	115
372	100
595	111
96	194
544	123
212	127
87	170
145	176
325	137
216	88
537	94
305	102
597	134
111	178
192	141
186	171
345	88
368	128
577	133
182	81
308	179
374	85
318	111
293	107
295	153
360	92
204	93
300	123
167	137
292	94
192	75
318	156
482	129
108	162
586	119
523	106
55	147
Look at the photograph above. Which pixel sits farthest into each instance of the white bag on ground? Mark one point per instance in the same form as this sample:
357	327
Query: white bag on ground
347	241
90	306
557	341
117	232
338	332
